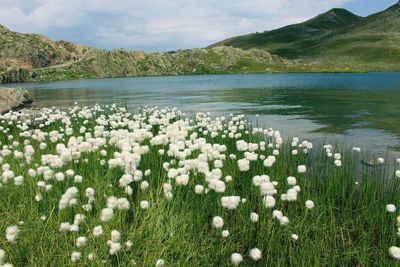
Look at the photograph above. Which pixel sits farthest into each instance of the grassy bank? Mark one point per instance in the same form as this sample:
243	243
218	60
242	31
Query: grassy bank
103	187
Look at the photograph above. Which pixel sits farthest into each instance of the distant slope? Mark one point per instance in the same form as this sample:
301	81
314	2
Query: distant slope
336	38
293	41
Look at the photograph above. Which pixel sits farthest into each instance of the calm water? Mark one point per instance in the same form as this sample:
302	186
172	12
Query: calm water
359	109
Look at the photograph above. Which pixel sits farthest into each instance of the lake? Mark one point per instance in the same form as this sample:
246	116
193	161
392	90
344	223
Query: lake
352	108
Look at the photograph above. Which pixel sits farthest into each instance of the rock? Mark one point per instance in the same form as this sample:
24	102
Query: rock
14	98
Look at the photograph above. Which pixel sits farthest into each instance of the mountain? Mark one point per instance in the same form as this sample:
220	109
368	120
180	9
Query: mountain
293	41
335	38
34	57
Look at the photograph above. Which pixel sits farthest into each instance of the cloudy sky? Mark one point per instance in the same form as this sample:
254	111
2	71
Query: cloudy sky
164	25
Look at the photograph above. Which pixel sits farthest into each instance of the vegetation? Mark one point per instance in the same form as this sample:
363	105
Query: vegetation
100	186
337	37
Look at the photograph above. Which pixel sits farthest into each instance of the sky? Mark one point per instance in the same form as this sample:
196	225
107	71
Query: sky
164	25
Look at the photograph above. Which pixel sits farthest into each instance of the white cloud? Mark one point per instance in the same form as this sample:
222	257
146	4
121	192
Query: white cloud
155	24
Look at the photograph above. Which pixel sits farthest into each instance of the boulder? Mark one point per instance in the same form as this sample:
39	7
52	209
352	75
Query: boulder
14	98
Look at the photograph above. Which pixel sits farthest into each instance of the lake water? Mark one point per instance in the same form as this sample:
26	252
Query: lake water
356	109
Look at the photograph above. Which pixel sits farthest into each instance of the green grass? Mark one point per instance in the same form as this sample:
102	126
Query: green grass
349	225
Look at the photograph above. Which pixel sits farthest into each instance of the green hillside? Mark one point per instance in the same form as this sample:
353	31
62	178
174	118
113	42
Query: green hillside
336	37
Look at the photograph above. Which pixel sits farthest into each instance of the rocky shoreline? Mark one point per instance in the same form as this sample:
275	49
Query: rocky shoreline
14	99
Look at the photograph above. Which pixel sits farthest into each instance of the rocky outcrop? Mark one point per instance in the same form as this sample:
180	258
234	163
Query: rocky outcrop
14	76
14	98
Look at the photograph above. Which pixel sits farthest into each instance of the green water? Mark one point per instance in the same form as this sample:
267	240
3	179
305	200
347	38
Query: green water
354	109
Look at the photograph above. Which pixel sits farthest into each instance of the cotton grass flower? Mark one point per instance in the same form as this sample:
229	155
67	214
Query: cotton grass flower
309	204
217	222
254	217
301	169
255	254
394	252
75	256
98	230
160	262
144	204
390	208
294	237
106	214
269	201
11	233
236	258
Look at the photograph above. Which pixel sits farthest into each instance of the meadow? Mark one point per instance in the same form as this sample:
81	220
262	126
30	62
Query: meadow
99	186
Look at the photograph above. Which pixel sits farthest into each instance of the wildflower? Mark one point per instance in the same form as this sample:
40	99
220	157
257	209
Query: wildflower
243	164
115	236
123	204
128	244
106	214
236	258
98	230
294	237
217	222
144	204
309	204
301	169
160	262
81	241
394	252
381	160
269	201
225	233
255	254
198	189
391	208
254	217
398	173
11	233
291	180
75	256
114	247
230	202
284	220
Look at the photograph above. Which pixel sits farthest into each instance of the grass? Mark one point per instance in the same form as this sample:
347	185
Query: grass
349	225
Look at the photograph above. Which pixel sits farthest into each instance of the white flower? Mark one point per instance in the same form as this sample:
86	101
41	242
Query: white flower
106	214
391	208
230	202
11	233
394	252
236	258
269	201
123	204
75	256
114	247
284	220
294	236
98	230
225	233
217	222
160	262
381	160
309	204
255	254
115	236
398	173
198	189
254	217
243	164
291	180
144	204
301	168
81	241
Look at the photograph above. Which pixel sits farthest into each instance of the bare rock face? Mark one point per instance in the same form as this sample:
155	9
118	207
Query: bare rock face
14	98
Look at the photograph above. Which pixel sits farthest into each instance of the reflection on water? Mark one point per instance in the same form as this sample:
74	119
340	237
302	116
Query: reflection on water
361	109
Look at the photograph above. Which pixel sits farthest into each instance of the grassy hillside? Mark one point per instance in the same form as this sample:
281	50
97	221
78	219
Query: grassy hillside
336	38
293	41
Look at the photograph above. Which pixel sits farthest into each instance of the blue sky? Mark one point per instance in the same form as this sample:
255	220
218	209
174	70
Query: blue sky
164	25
